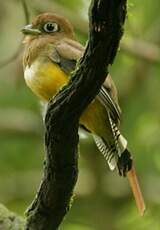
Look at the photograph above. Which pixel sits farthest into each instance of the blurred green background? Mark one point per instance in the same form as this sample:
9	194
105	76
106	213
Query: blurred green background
103	200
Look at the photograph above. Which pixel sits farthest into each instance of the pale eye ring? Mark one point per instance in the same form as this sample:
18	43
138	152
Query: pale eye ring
50	27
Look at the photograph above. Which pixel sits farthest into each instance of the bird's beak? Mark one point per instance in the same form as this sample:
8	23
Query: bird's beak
28	30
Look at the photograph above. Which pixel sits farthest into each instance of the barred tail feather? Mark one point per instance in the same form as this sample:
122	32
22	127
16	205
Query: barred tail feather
120	141
109	153
112	152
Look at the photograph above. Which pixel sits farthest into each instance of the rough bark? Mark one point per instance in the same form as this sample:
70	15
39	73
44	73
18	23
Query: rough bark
61	135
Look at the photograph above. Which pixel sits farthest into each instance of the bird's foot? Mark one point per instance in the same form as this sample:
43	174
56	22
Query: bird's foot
124	163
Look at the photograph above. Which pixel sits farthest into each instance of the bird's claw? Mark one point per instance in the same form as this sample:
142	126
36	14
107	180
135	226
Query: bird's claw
124	163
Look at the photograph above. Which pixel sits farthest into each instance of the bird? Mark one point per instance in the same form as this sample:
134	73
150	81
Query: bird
50	55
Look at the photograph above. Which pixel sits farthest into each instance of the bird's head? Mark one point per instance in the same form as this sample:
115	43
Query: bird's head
48	25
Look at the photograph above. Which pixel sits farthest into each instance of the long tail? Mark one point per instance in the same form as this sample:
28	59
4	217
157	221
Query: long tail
118	156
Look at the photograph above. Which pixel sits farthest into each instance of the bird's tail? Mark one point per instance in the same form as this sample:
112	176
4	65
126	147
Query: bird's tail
116	154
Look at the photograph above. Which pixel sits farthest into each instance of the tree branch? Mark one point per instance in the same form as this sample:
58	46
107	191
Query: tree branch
62	119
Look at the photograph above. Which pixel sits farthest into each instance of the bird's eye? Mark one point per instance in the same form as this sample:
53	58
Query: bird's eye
50	27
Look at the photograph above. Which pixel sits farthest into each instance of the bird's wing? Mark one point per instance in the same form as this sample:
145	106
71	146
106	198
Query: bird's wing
111	105
66	53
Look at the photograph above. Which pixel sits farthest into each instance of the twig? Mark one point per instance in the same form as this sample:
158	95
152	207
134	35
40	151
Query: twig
141	49
17	52
26	11
12	58
21	121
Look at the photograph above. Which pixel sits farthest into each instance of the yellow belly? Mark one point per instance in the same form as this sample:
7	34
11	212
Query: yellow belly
46	79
